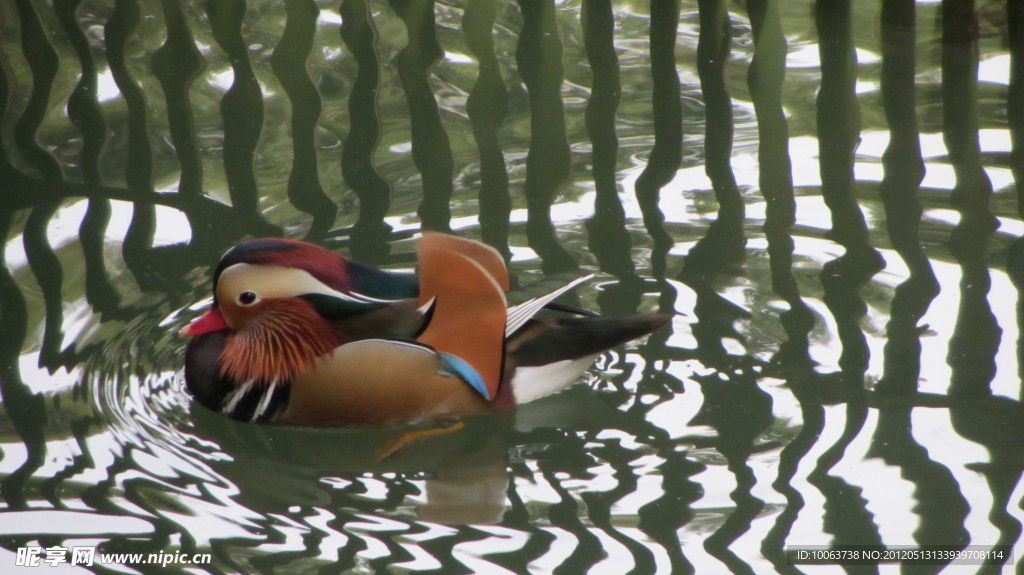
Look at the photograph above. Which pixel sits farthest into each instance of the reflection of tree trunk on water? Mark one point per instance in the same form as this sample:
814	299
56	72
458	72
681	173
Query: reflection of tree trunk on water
138	175
24	408
368	236
177	64
765	79
976	335
718	254
838	135
904	170
241	108
978	415
715	257
740	412
838	129
41	257
940	502
43	66
487	106
663	518
431	149
289	64
548	161
1015	97
608	239
667	152
1015	117
49	273
611	244
84	112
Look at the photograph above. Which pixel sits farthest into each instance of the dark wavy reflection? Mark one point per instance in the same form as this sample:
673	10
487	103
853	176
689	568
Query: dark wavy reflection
974	345
290	55
24	409
978	333
138	174
846	515
241	107
548	162
177	64
741	412
721	250
84	112
1015	115
765	79
667	114
487	107
431	150
940	502
904	170
43	66
609	240
769	172
357	165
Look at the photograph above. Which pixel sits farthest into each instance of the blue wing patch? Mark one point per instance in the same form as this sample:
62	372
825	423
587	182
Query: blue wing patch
455	366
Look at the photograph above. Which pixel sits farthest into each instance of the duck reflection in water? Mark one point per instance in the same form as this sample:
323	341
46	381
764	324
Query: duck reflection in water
453	478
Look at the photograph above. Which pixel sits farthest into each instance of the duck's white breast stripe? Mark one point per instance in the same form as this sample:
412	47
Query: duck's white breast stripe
235	396
268	395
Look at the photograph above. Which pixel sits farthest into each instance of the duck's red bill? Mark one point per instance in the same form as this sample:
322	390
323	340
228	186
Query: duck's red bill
212	320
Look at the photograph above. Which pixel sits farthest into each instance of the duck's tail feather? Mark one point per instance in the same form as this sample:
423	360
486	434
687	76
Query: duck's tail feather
561	339
549	355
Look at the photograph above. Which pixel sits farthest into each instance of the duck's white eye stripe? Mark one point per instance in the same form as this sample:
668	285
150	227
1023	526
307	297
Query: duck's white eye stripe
280	281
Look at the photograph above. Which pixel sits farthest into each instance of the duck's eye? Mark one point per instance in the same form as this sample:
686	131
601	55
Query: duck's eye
247	298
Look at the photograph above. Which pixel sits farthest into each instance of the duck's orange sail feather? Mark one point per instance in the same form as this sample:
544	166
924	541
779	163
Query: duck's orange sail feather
469	306
483	254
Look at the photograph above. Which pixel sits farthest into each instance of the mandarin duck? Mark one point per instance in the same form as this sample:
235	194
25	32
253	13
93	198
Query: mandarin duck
300	335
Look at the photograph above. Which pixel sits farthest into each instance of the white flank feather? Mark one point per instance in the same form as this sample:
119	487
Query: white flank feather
534	382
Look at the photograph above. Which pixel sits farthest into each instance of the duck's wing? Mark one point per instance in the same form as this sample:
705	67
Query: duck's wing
554	340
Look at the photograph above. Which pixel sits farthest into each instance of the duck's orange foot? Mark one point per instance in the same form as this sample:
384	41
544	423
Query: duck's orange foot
396	444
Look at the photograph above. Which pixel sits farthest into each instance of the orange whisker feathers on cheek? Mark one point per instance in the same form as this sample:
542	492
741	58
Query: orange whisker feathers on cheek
283	340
